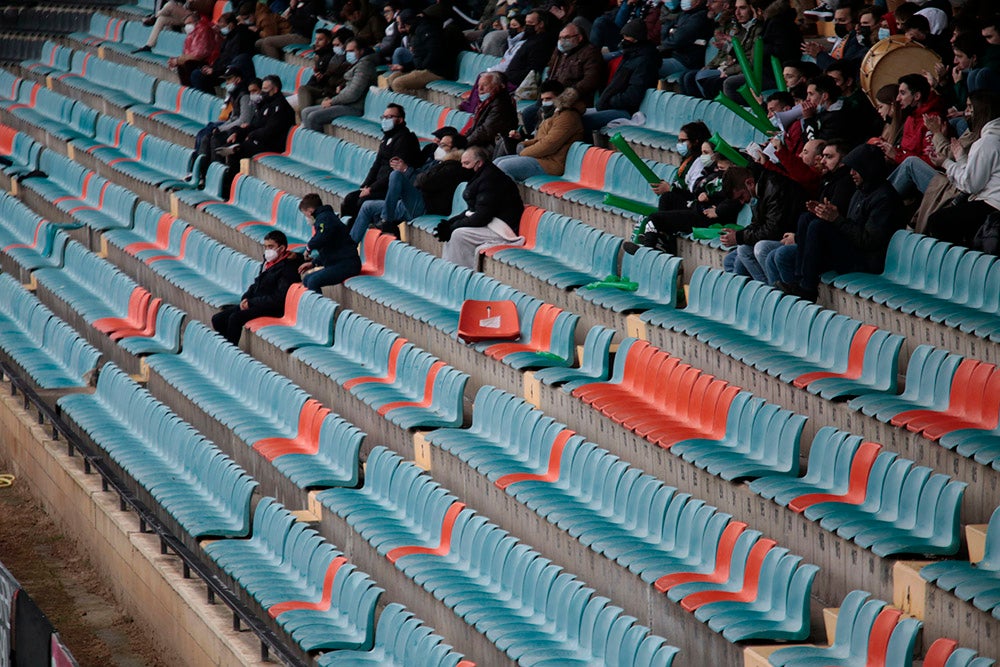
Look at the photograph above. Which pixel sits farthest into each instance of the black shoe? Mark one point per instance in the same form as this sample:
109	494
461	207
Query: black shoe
149	20
143	49
387	227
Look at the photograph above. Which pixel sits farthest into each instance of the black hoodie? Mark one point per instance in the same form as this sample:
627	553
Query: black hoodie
876	209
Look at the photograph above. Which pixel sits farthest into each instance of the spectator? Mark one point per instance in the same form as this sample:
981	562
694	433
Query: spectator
823	116
546	152
977	175
323	81
241	94
968	50
857	105
679	192
746	29
853	241
534	53
171	15
868	25
268	24
606	31
887	107
777	206
266	296
267	131
804	167
412	190
201	47
495	115
301	17
504	27
236	51
392	39
683	47
918	29
575	64
515	40
916	99
847	47
363	20
637	72
349	97
331	254
422	59
781	38
493	214
397	142
786	115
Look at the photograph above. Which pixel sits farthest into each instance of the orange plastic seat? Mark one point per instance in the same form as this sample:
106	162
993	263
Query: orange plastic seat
552	472
135	318
163	226
855	360
528	228
325	600
148	329
306	440
391	370
723	562
751	581
488	320
289	317
444	543
861	467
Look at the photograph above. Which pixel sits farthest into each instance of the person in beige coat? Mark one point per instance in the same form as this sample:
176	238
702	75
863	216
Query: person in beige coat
546	152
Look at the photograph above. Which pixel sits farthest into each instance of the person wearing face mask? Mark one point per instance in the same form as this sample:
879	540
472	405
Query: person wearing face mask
236	51
398	141
539	42
742	27
493	212
636	73
781	38
868	26
268	130
331	254
349	97
606	31
238	112
823	116
546	152
574	64
856	104
414	192
847	46
683	46
266	295
301	17
201	47
495	115
423	59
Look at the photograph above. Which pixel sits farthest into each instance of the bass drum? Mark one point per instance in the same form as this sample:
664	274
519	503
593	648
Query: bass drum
890	59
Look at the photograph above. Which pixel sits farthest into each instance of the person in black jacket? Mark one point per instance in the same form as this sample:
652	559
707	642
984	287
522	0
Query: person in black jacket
321	83
334	254
495	115
266	296
493	214
427	58
638	72
853	241
269	128
781	37
534	53
683	48
236	52
397	142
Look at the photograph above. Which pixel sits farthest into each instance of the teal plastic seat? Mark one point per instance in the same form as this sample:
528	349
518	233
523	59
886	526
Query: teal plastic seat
656	275
854	624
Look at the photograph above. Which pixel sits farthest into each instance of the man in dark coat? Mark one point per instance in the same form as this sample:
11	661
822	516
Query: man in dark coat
539	43
495	115
268	131
266	296
575	64
427	58
398	141
493	214
334	253
637	72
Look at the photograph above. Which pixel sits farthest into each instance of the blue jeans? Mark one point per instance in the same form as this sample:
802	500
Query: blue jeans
709	83
519	168
403	201
761	250
742	262
402	56
780	265
332	275
671	66
912	174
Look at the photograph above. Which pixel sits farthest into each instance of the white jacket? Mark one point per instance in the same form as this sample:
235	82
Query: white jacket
979	173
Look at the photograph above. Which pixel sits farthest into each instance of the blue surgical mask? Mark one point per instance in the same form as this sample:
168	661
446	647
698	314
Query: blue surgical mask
484	96
338	50
681	148
883	33
352	57
686	5
672	5
388	124
230	87
224	31
564	45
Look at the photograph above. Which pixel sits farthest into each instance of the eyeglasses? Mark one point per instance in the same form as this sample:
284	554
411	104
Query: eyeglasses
389	117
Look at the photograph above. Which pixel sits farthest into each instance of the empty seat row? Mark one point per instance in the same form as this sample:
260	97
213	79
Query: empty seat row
121	85
978	583
19	153
301	581
48	349
62	118
26	238
422	117
630	517
199	486
935	280
302	439
531	609
799	342
255	208
320	160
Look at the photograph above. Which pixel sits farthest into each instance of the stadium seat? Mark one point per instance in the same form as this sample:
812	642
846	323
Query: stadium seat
308	320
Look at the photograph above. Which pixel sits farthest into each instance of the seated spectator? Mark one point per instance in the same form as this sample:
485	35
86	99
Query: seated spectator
509	23
846	48
955	84
515	40
534	53
348	98
363	20
495	115
493	216
977	175
916	99
606	31
804	167
781	38
856	240
242	96
797	75
301	17
171	15
422	58
637	72
398	141
545	153
679	192
683	47
391	39
331	254
575	64
412	192
823	115
887	107
918	29
268	23
778	204
323	81
267	131
236	51
785	113
857	105
266	296
746	29
201	47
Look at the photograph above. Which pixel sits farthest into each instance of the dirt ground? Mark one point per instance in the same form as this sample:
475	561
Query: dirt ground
61	581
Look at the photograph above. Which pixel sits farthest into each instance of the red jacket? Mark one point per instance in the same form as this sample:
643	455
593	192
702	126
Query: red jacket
916	139
203	44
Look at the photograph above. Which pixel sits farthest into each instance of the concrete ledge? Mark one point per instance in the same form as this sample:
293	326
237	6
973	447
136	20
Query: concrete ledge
187	630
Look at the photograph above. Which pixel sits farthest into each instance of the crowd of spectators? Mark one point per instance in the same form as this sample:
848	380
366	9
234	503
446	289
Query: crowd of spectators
841	171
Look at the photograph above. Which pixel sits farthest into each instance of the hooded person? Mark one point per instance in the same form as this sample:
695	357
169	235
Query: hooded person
856	240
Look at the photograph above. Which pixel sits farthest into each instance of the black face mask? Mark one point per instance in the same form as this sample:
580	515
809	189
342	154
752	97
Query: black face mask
865	33
841	30
529	31
513	32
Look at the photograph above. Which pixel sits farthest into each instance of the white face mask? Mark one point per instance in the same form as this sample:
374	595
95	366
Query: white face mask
440	153
548	104
256	98
270	254
388	124
188	28
705	160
